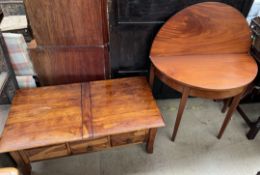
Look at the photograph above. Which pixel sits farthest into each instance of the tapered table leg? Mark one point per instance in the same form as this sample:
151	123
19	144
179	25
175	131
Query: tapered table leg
230	112
226	105
182	105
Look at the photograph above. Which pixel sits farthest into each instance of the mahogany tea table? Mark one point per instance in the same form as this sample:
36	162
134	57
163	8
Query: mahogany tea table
58	121
203	51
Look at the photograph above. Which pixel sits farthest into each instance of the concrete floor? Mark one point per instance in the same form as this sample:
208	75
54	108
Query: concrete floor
196	150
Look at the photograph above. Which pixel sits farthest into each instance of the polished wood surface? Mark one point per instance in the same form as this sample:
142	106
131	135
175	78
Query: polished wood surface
209	72
66	22
116	103
43	116
203	51
204	28
70	40
62	65
50	121
58	121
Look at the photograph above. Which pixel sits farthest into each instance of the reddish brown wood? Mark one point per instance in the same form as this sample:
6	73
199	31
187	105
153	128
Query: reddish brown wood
90	145
150	140
182	105
43	153
62	65
232	108
57	121
43	116
71	40
24	167
209	72
66	22
129	138
204	28
87	127
115	104
201	49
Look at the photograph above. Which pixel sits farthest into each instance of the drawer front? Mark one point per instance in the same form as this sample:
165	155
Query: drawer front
47	152
89	145
129	138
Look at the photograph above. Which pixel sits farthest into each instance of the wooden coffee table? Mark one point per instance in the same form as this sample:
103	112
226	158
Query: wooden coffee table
65	120
203	51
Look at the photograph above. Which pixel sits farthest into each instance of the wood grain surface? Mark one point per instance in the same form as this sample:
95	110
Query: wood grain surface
115	104
203	51
62	65
205	46
209	72
204	28
67	22
43	116
62	120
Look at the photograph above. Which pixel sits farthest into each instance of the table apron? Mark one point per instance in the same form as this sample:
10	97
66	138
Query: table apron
202	93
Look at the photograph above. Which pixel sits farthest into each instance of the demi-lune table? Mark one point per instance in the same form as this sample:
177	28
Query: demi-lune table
203	51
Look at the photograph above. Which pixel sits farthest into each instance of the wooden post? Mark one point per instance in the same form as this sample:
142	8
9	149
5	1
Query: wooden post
22	162
182	105
150	140
230	112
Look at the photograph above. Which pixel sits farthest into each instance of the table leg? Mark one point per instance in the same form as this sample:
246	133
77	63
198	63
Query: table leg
254	130
22	162
226	105
150	140
182	105
230	112
152	75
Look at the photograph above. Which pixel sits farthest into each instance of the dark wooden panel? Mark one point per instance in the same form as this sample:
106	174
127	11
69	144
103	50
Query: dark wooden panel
68	22
128	54
158	10
69	64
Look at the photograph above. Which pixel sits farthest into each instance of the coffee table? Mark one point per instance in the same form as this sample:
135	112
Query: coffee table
57	121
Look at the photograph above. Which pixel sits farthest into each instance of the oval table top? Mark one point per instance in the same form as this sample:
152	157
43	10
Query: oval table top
205	46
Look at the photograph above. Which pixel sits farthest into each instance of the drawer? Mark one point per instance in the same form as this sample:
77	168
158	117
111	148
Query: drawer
89	145
129	138
49	152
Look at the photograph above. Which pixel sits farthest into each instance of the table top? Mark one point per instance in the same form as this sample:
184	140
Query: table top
43	116
205	46
58	114
119	106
